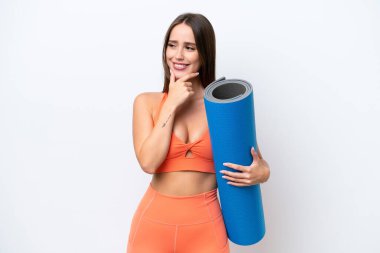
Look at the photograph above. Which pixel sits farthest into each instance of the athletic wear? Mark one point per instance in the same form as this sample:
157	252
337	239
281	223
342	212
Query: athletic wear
201	158
178	224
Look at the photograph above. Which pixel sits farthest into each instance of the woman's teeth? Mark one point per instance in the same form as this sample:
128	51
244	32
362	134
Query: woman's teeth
180	66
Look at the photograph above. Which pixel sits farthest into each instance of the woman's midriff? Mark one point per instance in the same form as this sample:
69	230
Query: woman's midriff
183	183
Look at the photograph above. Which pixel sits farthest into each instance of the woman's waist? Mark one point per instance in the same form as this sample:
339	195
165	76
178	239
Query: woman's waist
172	209
183	183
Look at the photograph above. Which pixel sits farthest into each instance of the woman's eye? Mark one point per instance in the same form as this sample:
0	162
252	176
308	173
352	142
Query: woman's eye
190	48
171	45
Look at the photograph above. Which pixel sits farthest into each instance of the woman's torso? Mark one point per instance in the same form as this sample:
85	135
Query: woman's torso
189	124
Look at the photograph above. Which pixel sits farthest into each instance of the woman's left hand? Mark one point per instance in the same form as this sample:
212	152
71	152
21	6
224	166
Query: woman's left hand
256	173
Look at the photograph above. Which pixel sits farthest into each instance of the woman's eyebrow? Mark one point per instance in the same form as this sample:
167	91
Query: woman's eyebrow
188	43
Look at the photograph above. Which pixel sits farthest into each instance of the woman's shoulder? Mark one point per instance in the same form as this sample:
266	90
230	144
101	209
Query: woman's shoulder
150	100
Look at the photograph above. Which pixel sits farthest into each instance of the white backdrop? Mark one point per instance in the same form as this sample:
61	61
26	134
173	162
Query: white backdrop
69	71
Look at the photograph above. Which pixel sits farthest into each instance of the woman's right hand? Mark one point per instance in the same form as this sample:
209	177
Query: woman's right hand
180	90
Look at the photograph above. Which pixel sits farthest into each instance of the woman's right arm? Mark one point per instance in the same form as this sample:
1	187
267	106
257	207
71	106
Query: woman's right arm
151	143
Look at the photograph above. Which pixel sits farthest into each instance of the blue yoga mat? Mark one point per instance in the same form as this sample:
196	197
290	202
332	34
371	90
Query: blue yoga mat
231	120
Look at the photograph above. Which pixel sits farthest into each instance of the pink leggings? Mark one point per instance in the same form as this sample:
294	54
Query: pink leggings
178	224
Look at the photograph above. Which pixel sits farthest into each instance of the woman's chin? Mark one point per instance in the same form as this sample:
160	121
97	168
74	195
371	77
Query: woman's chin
180	74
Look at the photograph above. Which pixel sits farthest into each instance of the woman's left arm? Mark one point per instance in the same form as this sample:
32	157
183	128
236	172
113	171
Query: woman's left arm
256	173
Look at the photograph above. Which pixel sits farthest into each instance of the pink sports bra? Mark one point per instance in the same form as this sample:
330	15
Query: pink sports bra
200	159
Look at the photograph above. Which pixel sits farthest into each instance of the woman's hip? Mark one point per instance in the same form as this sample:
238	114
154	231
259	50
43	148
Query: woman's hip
164	223
179	210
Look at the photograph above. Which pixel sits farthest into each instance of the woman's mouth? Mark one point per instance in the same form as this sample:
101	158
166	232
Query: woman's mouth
179	66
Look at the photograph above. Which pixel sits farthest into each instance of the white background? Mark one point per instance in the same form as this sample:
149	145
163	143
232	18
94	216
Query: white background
69	71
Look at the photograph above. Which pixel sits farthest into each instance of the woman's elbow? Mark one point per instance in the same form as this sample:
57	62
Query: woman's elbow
147	168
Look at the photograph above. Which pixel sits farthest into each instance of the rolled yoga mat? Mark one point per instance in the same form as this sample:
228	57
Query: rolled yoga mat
231	121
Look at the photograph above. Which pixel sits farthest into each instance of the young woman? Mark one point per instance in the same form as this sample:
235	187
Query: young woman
180	211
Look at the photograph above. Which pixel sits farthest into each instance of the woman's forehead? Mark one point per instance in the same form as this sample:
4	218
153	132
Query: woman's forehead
182	33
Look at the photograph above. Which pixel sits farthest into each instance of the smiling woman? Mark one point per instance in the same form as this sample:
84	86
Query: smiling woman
179	211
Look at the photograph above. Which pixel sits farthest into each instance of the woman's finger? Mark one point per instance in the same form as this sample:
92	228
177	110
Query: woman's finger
172	77
236	174
237	167
254	155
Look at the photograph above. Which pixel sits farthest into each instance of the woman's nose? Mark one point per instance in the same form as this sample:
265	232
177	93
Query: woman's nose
179	54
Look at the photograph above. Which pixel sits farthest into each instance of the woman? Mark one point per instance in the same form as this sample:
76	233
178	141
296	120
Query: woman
180	210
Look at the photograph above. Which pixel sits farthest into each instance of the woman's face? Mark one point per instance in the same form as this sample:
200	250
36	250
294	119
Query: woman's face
181	52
